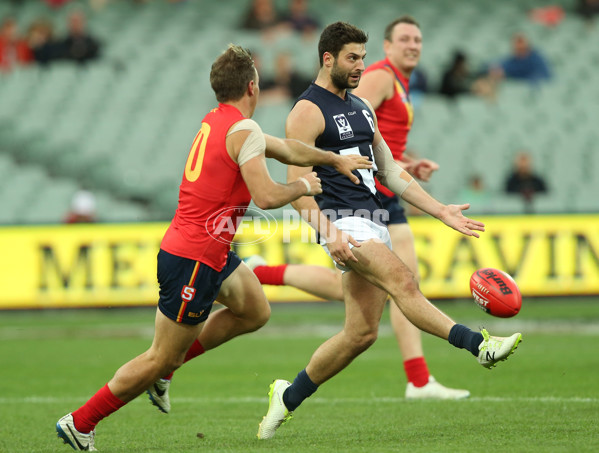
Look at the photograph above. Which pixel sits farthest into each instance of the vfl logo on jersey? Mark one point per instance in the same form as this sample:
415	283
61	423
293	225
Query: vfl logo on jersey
345	130
188	293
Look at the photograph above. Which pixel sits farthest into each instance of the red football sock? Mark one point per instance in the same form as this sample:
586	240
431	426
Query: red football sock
417	371
270	275
101	405
195	350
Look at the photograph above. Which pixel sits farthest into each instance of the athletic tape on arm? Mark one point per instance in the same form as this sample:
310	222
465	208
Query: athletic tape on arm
389	173
254	144
305	181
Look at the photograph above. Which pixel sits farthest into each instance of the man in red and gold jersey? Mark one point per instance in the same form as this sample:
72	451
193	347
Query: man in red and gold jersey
386	85
225	170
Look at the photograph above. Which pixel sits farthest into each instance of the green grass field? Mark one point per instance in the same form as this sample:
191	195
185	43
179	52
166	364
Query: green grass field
545	398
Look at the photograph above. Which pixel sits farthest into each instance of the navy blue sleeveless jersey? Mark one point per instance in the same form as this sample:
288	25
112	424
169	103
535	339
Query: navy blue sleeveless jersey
349	129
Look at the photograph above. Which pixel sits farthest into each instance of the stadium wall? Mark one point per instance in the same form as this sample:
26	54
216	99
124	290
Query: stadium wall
115	264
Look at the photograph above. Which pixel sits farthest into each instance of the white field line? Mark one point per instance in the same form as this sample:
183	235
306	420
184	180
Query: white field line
255	400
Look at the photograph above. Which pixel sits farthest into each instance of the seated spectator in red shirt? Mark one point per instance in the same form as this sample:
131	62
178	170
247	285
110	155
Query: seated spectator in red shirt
14	50
83	208
56	3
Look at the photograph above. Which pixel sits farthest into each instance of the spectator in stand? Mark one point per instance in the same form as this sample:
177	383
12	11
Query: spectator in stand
261	16
418	81
56	3
588	9
83	208
271	92
287	76
79	45
458	79
418	86
14	50
523	180
40	38
286	84
299	18
478	196
525	63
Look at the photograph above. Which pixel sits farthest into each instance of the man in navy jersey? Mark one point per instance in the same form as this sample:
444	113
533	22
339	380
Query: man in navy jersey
385	84
350	223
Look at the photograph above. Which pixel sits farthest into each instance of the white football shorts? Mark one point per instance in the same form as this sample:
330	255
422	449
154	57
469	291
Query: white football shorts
361	230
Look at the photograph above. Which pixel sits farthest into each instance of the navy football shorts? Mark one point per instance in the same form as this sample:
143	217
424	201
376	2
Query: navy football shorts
189	288
396	211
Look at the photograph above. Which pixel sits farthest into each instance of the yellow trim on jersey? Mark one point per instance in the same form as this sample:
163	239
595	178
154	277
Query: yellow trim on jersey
404	97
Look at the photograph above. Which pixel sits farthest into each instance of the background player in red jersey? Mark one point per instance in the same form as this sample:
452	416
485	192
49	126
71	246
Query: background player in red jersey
225	169
385	85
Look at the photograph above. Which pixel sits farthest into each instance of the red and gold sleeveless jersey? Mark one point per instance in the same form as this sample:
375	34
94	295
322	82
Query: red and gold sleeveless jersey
394	115
213	196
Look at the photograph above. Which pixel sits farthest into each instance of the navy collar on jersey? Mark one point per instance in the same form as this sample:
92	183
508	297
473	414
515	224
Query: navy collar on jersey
330	93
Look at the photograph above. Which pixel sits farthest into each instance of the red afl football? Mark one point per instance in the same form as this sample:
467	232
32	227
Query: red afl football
495	292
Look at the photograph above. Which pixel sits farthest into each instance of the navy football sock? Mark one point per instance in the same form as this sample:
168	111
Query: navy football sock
462	337
297	392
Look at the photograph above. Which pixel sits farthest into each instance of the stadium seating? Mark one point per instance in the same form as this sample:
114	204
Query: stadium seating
123	126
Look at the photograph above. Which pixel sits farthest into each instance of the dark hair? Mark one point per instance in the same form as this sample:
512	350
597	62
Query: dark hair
335	36
400	20
231	73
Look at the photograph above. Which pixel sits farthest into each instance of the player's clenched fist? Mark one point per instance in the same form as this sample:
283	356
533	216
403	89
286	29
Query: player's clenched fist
312	183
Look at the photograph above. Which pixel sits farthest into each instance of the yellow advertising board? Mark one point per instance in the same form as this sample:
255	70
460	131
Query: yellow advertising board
79	265
115	264
546	255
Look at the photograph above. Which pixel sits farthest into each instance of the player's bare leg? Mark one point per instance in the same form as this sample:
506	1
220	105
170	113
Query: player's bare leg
364	305
378	273
407	335
167	352
171	342
246	310
320	281
377	264
409	338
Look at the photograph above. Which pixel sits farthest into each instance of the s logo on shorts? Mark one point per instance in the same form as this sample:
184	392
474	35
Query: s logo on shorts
188	293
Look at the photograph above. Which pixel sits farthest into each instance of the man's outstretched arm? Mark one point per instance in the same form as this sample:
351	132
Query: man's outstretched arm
295	152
